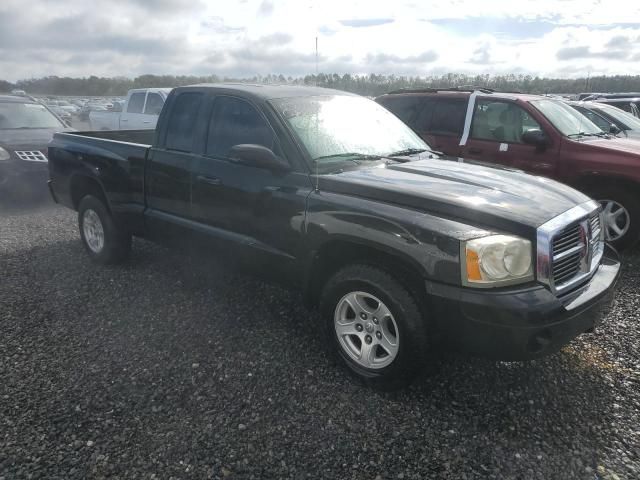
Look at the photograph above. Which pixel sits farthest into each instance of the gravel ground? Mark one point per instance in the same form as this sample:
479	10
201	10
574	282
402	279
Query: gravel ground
165	368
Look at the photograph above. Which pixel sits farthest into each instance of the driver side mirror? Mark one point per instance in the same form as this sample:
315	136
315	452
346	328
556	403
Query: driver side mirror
258	156
535	137
614	129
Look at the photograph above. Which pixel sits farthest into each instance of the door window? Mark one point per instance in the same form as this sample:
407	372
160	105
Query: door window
448	117
154	104
136	102
601	122
182	120
406	108
501	122
235	122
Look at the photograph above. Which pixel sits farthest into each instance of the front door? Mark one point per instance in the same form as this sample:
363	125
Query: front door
496	137
255	212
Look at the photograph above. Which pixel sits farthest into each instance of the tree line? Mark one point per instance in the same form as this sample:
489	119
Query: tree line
371	84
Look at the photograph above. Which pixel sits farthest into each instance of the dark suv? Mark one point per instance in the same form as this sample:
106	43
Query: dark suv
538	134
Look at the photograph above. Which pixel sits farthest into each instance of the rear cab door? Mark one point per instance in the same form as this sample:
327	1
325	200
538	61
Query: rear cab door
441	121
496	132
169	165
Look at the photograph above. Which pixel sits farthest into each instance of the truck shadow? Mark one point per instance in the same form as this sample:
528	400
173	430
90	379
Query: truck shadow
164	312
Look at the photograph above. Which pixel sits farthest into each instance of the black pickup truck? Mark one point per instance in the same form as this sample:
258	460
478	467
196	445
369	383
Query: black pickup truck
402	249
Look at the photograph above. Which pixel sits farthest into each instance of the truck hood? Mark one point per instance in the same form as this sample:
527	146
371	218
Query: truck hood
630	144
497	198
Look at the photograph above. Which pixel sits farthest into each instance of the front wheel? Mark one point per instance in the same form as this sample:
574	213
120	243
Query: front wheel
375	326
621	215
104	241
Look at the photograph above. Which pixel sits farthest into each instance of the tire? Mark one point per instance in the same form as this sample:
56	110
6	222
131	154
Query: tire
397	369
605	195
105	242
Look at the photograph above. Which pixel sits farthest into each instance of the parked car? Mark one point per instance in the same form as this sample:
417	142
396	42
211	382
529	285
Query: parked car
401	249
26	127
91	107
630	105
610	119
540	135
64	115
140	111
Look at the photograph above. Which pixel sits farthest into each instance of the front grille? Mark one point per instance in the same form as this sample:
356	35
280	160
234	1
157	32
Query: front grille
573	250
31	156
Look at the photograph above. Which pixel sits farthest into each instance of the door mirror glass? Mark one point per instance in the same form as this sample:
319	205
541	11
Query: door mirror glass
535	137
614	129
257	156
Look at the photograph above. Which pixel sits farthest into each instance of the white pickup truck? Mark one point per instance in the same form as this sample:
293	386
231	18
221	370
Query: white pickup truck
140	111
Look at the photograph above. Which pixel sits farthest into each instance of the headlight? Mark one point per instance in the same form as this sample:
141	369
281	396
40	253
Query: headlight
496	260
4	155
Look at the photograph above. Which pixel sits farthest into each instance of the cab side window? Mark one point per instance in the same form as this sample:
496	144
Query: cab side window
182	120
448	116
501	121
154	104
236	122
136	102
406	108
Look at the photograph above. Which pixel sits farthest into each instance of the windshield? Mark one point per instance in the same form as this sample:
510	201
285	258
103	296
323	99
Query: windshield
331	127
567	120
627	120
26	115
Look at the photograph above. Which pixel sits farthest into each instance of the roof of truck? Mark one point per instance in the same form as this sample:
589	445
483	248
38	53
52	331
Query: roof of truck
266	92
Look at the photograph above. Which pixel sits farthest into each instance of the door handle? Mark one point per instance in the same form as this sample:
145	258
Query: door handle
209	180
147	121
124	120
475	150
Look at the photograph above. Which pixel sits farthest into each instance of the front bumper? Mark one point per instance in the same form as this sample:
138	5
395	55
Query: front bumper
522	324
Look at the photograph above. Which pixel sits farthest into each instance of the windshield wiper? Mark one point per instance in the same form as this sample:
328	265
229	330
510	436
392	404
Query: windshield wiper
412	151
585	134
350	156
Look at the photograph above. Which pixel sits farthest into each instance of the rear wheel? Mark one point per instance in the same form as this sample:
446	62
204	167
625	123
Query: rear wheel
375	326
104	241
621	215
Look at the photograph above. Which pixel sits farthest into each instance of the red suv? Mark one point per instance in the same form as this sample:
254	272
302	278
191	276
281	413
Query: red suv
540	135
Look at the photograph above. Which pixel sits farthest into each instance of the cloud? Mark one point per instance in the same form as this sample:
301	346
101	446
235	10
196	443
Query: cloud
425	57
481	55
573	53
275	39
366	22
218	25
266	8
504	27
619	41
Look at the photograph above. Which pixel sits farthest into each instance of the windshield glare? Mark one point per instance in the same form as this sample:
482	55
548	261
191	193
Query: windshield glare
565	118
334	125
26	115
628	120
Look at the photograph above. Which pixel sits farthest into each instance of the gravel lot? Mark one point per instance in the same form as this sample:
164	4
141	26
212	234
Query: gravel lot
169	368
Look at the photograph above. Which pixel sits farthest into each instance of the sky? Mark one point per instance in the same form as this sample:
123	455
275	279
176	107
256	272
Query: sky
243	38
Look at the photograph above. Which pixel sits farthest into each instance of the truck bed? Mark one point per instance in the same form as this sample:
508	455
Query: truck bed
114	160
140	137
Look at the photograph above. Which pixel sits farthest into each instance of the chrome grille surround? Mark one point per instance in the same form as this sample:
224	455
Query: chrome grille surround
31	155
570	247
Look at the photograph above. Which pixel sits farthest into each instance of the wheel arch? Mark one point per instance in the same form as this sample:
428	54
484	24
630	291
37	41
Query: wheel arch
83	185
337	253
